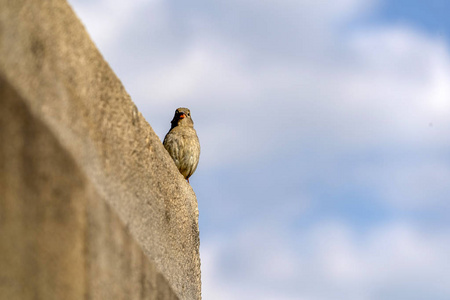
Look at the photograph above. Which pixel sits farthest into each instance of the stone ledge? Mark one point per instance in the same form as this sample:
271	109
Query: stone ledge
110	213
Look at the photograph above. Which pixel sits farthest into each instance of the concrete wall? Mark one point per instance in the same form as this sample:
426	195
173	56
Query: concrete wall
91	205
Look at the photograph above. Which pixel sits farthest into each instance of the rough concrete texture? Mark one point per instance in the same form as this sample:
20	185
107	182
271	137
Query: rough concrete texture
91	204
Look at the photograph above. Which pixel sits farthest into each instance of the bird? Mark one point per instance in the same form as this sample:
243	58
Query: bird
182	142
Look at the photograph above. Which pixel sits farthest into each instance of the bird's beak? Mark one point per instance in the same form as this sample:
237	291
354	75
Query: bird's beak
182	116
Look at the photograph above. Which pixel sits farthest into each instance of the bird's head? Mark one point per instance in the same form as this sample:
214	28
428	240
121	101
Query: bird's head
182	117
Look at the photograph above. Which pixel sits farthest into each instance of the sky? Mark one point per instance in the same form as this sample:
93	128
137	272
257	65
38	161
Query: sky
324	128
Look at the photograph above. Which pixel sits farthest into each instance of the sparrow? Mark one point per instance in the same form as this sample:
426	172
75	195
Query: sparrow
182	142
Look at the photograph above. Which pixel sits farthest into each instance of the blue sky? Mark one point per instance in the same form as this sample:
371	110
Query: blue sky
429	15
324	127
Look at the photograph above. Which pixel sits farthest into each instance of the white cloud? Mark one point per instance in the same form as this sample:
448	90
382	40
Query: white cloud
107	20
328	261
205	69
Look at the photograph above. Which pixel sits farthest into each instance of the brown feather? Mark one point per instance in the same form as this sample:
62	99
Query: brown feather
182	142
